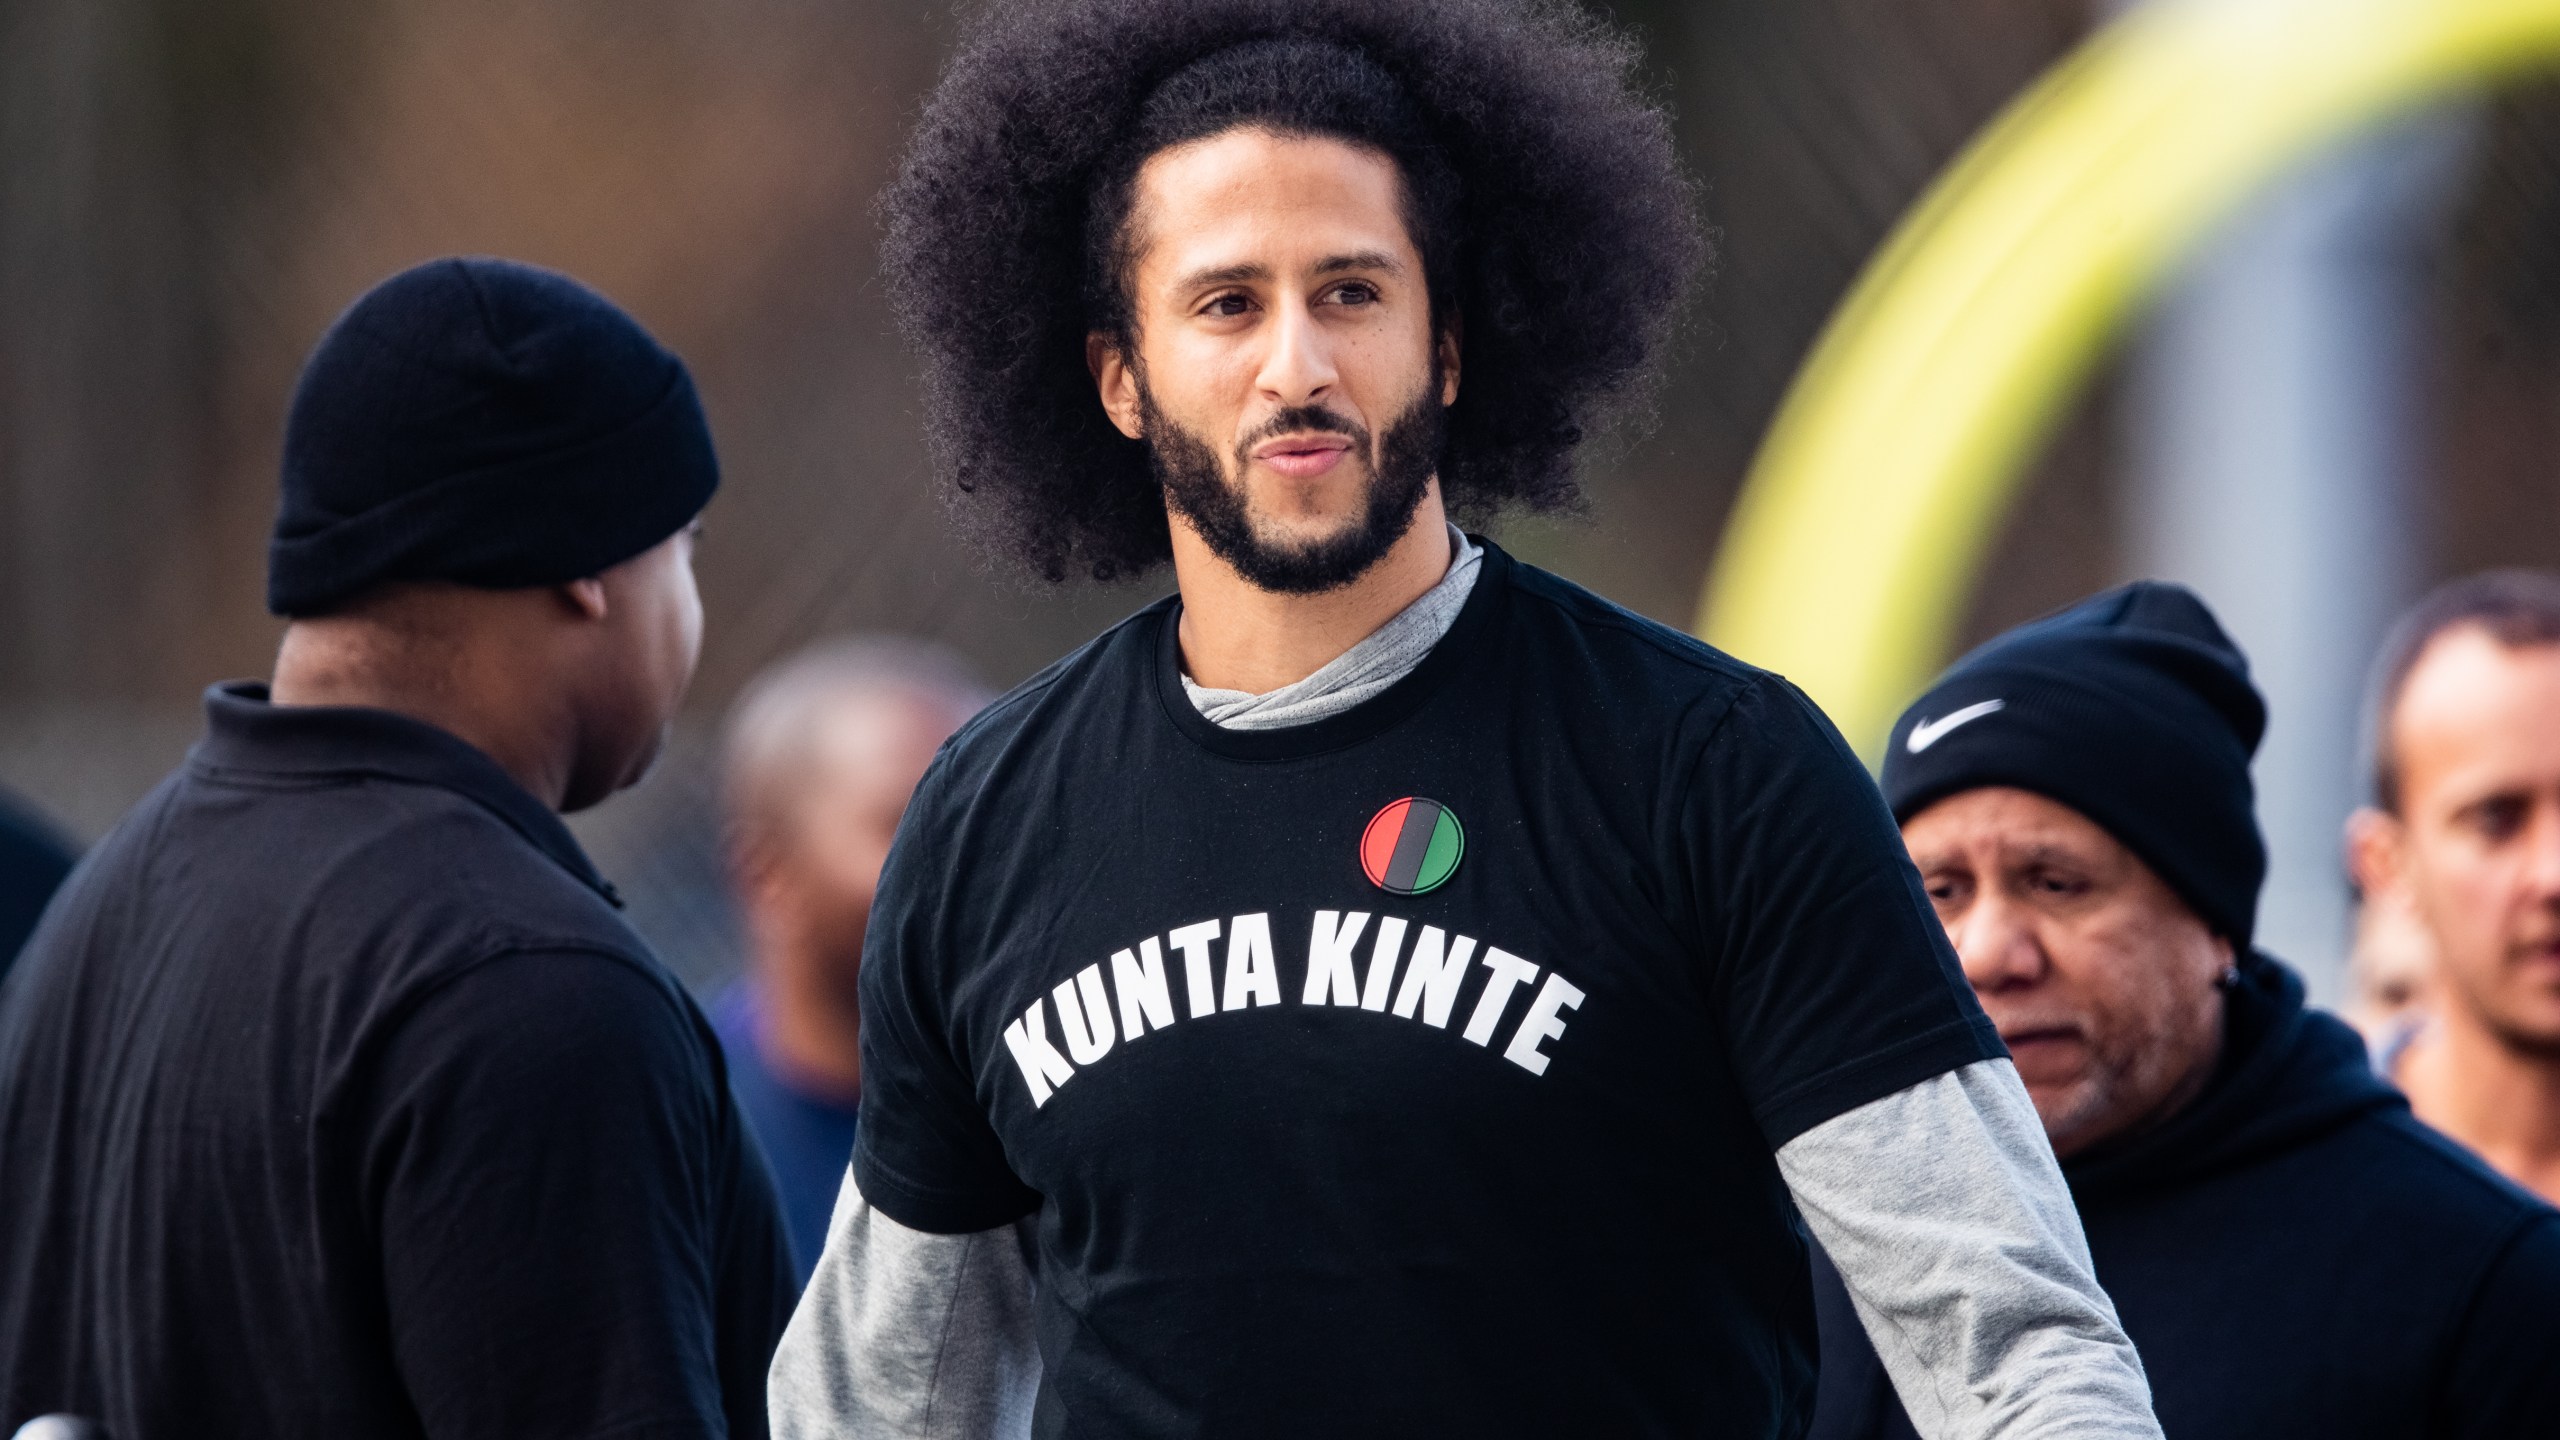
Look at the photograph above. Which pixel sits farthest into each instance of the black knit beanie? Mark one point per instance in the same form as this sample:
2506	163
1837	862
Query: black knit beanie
2133	708
485	422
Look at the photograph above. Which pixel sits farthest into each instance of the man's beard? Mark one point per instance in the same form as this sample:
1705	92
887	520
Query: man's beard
1400	471
2495	1007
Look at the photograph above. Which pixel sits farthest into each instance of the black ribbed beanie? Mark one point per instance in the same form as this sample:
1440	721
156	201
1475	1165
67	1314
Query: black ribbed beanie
485	422
2133	708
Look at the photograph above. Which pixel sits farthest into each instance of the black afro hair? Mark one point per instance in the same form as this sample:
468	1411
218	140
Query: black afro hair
1560	233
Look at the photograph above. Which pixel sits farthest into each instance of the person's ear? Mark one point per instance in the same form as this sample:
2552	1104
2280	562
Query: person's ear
1117	381
587	597
2374	841
1449	364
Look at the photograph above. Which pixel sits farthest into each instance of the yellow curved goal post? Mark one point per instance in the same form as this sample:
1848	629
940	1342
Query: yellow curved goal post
1874	499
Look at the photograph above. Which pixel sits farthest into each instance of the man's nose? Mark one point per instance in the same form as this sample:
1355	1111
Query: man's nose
1298	369
1998	947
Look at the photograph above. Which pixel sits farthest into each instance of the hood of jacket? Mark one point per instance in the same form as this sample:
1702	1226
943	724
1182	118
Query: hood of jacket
2287	1076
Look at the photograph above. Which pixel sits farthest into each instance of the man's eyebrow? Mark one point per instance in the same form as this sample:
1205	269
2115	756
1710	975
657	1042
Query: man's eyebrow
1359	260
1224	275
2051	852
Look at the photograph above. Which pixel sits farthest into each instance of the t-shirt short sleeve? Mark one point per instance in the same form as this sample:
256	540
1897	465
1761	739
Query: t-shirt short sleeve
1831	974
926	1154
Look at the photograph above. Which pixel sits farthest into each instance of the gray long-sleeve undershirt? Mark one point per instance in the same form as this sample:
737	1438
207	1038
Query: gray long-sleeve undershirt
1941	1205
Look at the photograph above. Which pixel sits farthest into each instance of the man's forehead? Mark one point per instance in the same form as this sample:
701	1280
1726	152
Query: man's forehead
2009	823
2479	711
1251	198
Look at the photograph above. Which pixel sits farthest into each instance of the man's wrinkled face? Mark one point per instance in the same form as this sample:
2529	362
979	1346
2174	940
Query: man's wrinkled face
2102	981
2475	849
1288	377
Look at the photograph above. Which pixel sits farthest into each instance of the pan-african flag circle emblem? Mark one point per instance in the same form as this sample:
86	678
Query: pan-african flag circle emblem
1412	846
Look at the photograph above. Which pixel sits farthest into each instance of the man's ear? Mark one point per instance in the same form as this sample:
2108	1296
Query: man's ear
2374	839
1449	364
1117	380
587	597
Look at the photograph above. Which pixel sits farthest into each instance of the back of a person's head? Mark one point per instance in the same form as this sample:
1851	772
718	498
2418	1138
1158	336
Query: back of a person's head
487	423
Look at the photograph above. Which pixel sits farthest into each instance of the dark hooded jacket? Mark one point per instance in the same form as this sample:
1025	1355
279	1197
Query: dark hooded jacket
2294	1255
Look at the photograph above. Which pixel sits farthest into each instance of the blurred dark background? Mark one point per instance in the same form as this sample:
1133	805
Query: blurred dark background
190	191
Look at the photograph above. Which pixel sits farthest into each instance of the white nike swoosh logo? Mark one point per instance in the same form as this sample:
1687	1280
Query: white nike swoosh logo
1930	732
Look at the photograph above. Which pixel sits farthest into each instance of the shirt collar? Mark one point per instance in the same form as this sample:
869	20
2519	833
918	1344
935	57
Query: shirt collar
247	733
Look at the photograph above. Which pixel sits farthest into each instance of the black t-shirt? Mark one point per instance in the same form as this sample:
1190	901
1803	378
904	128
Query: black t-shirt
1415	1071
336	1100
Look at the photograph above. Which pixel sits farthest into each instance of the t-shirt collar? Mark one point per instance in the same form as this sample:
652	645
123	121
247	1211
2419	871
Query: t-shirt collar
1370	717
1387	655
246	733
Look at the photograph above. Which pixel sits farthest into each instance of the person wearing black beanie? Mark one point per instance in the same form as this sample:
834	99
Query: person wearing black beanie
338	1097
484	422
2292	1253
2133	708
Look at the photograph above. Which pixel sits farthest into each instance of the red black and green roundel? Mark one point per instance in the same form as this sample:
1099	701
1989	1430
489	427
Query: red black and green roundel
1412	846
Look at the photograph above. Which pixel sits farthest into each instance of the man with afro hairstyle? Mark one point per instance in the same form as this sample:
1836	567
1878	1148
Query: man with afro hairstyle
1381	989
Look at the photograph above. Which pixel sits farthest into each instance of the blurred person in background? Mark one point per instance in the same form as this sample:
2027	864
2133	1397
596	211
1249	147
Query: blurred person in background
2388	974
1383	989
2294	1253
2464	831
336	1097
33	862
822	752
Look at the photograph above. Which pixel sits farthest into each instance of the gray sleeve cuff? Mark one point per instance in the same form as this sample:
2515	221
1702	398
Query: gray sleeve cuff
1947	1215
909	1335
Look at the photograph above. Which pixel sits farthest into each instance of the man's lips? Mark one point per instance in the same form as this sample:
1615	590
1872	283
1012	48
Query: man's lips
2044	1051
1303	457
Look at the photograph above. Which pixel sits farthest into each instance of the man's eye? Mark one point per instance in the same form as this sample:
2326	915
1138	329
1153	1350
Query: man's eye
2498	819
1358	292
1227	305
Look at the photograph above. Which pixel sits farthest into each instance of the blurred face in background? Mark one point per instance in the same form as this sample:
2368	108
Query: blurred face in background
810	862
2474	850
2103	983
2391	968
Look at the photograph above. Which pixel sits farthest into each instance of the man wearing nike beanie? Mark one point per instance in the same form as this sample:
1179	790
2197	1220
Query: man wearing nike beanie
2291	1252
338	1099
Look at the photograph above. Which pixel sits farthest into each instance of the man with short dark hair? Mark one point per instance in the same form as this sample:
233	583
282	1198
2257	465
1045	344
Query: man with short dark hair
2294	1254
822	753
2464	833
335	1097
1383	989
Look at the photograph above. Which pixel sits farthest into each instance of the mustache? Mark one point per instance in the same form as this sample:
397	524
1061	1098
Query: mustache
1300	420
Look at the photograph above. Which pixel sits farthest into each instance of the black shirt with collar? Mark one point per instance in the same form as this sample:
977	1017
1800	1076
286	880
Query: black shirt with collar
336	1099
